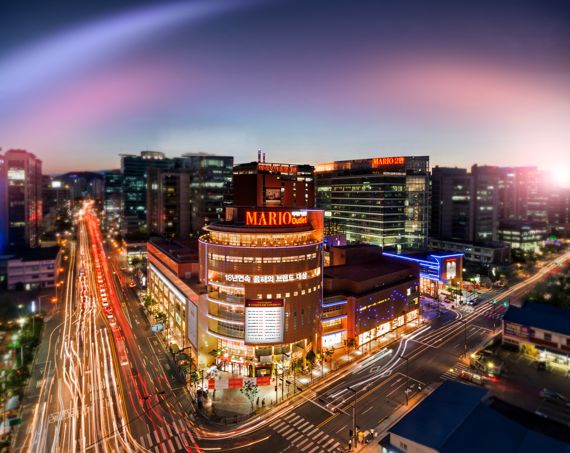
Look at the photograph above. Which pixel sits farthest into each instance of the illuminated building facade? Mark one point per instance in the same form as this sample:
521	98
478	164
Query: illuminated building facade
134	172
437	269
263	272
367	297
274	185
20	200
381	201
171	284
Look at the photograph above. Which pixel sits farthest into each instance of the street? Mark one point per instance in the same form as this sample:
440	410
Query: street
104	383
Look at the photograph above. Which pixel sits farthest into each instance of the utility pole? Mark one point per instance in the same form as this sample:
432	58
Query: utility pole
407	359
354	433
464	336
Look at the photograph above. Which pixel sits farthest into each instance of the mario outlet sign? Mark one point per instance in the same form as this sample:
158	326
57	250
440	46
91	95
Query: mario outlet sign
276	218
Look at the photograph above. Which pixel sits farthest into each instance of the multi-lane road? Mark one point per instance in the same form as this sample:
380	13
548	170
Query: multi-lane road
103	383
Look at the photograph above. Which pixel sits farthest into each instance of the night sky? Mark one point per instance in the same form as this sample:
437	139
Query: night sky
306	81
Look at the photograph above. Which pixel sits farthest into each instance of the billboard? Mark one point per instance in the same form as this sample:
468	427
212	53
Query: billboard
192	323
516	330
264	321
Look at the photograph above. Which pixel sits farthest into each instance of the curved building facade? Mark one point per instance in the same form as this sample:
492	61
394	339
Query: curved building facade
263	271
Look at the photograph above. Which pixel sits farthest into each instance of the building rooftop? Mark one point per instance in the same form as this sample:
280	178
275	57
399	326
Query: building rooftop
455	418
38	254
486	244
543	316
363	271
425	255
180	250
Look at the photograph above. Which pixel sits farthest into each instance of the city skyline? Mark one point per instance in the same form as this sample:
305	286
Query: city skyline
228	78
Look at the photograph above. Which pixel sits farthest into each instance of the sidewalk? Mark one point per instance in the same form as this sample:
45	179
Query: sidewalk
396	416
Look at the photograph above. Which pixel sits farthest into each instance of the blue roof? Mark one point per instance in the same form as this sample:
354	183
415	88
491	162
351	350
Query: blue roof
454	419
542	316
440	414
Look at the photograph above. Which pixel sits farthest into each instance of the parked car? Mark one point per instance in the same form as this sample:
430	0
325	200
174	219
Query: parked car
555	397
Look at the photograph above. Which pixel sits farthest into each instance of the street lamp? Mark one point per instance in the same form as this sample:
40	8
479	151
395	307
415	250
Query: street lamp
354	433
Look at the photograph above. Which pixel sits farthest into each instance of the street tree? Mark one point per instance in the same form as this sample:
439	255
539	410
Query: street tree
250	390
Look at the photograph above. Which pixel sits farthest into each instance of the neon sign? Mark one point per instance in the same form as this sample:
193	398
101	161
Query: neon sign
383	161
276	218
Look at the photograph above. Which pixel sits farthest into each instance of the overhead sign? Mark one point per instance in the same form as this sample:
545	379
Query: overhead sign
276	218
384	161
264	321
155	328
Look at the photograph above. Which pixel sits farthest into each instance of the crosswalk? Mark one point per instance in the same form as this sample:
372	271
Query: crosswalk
305	436
454	373
167	438
495	312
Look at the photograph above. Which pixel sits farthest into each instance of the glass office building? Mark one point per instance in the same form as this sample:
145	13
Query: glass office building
382	201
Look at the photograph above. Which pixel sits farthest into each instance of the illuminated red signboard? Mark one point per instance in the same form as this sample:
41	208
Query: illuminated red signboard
276	218
385	161
278	168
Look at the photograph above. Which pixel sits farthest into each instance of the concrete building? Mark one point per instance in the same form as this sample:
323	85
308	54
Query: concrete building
527	236
451	208
134	171
540	328
113	199
172	284
485	206
274	185
438	269
382	201
367	296
33	268
263	271
168	203
486	253
20	200
210	187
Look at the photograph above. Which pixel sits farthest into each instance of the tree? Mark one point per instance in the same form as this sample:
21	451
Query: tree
250	390
311	357
350	344
148	302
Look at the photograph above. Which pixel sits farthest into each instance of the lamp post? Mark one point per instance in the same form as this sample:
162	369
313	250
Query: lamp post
354	433
407	359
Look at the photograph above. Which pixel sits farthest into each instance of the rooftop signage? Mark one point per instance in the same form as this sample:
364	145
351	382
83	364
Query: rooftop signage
385	161
278	168
276	218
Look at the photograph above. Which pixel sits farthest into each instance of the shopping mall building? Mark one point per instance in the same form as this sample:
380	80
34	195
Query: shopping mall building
263	271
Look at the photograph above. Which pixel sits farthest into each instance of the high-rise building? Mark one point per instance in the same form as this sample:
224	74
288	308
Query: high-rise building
485	206
20	199
274	185
523	194
113	198
381	201
134	171
168	202
210	187
57	200
451	213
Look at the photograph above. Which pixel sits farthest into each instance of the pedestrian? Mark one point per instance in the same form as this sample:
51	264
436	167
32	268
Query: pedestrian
258	401
214	394
263	402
